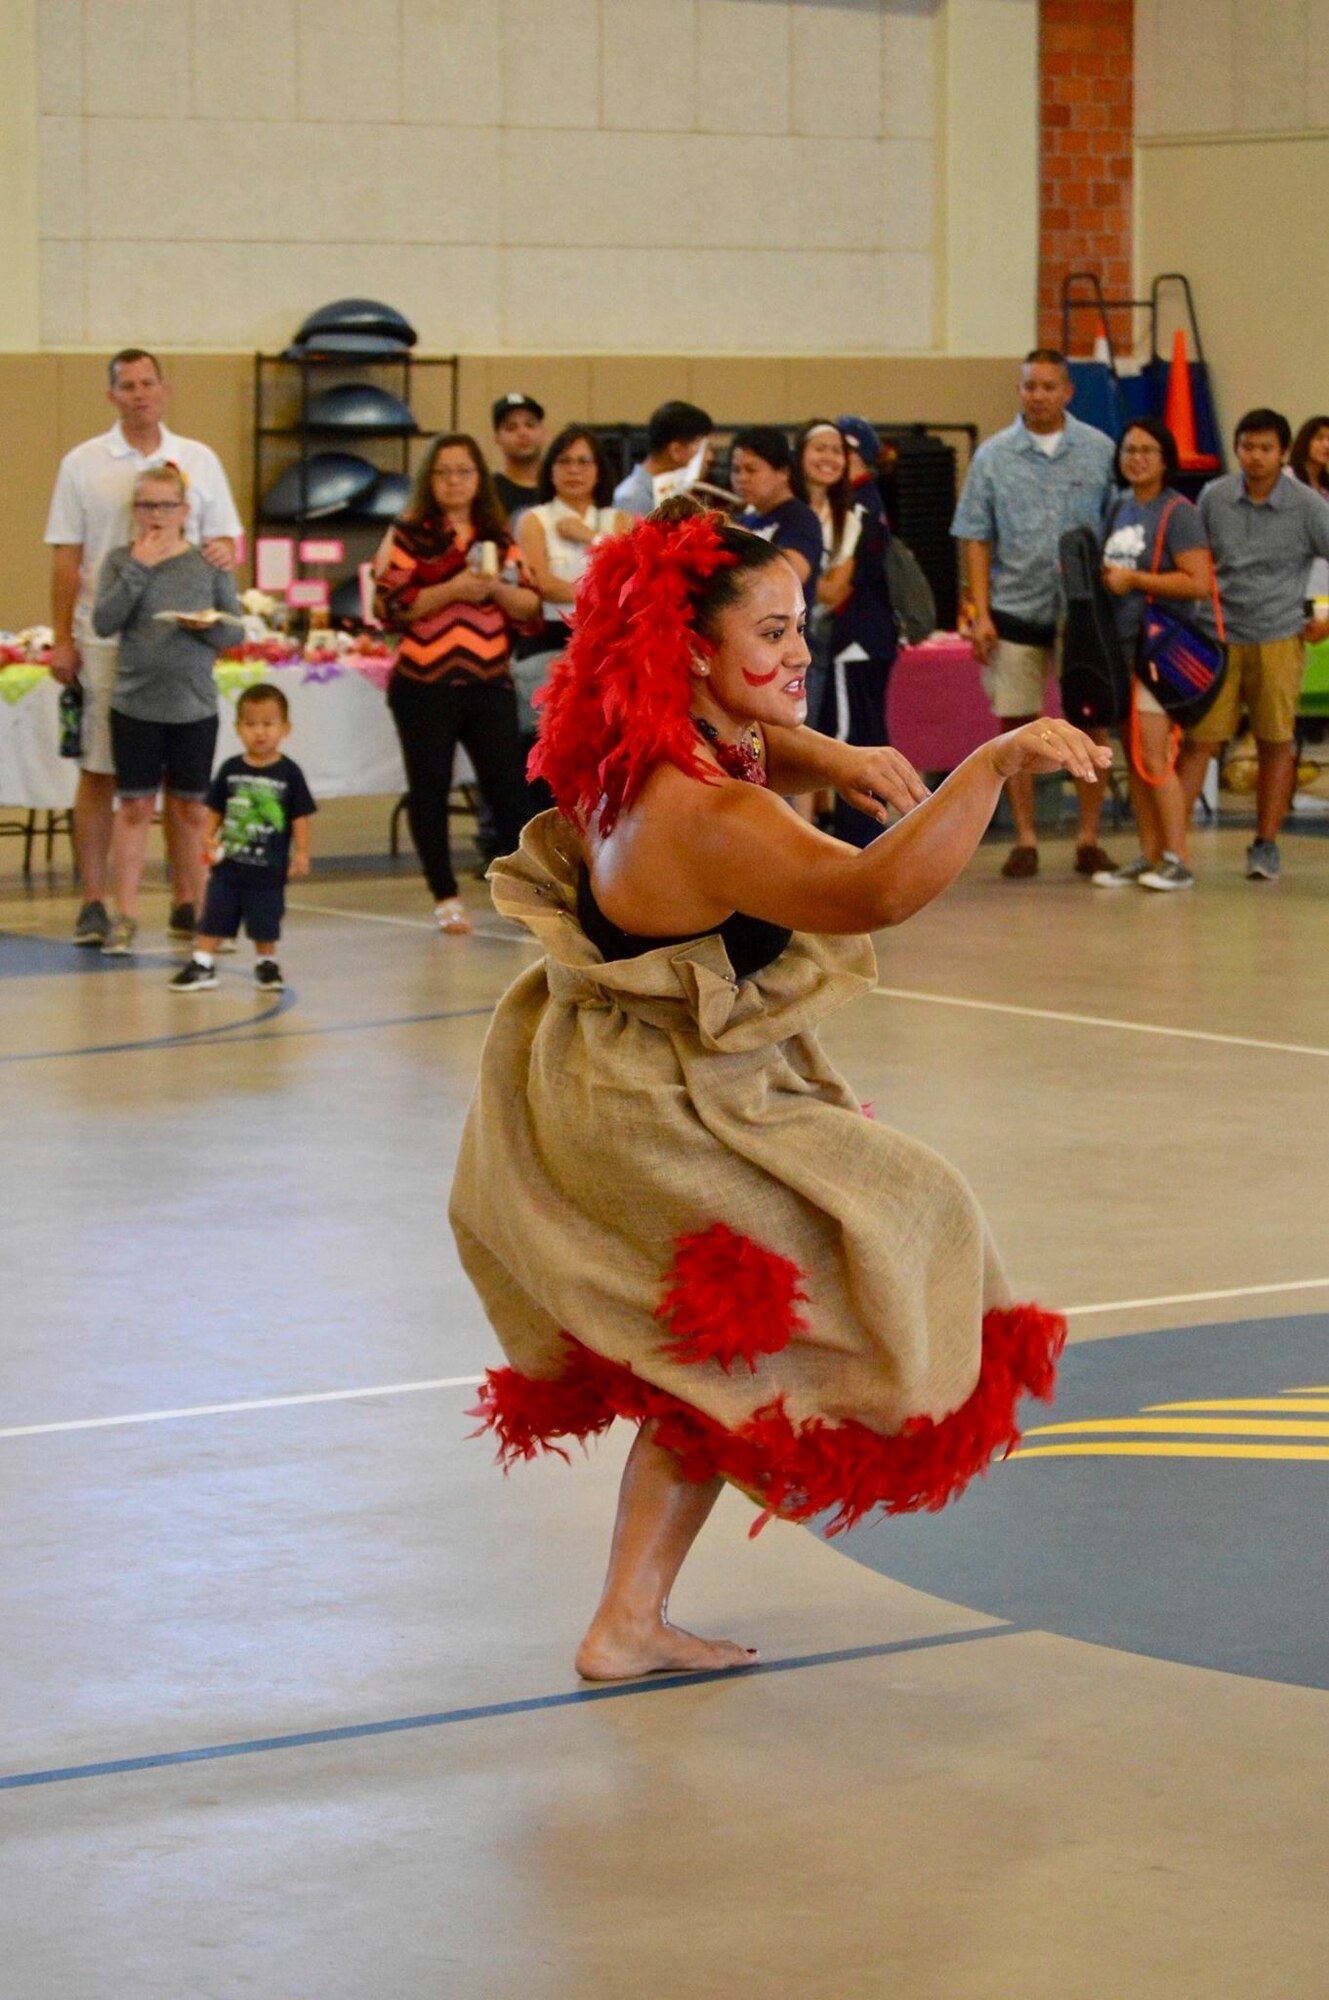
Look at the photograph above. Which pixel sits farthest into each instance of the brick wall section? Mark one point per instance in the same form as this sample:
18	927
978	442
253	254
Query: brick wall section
1087	159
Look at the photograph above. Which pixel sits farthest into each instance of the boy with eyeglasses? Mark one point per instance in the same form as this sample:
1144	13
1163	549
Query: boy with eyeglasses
173	613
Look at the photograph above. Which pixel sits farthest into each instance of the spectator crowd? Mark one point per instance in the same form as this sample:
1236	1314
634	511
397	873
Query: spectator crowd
476	580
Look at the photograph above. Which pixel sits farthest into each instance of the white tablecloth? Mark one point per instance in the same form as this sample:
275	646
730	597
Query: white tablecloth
341	736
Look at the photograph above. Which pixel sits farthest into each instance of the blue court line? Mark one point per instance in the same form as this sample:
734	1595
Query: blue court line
532	1704
243	1031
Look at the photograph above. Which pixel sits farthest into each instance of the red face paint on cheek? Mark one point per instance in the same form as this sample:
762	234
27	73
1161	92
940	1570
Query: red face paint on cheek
759	680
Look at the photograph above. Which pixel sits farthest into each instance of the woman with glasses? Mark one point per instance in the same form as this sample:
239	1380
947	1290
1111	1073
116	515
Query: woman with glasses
1155	547
452	586
173	613
572	515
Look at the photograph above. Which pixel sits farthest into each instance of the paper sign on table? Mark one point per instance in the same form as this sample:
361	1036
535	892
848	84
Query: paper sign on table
327	551
274	563
309	594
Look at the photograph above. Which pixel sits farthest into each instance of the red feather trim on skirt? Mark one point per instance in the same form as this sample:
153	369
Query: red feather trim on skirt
795	1470
729	1300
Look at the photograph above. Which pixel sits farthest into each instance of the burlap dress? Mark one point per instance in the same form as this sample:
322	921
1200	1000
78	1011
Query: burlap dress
673	1206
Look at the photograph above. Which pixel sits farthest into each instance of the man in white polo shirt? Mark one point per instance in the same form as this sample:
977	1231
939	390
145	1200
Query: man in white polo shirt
90	515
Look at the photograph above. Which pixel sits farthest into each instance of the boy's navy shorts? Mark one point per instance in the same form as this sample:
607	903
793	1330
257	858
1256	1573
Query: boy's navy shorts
253	894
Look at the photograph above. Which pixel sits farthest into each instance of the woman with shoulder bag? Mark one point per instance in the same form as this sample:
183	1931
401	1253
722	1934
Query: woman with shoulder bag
1155	550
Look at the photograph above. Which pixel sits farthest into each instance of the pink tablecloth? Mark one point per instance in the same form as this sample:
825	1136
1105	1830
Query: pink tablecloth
936	710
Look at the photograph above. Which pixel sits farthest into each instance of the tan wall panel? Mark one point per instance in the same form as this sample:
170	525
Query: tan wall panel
628	386
736	391
32	438
1261	291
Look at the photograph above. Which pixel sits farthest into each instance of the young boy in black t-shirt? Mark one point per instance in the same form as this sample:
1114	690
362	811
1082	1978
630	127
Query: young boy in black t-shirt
258	833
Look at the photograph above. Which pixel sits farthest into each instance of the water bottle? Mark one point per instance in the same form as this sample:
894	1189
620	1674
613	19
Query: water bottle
71	720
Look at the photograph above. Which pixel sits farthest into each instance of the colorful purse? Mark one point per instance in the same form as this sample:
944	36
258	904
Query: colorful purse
1181	666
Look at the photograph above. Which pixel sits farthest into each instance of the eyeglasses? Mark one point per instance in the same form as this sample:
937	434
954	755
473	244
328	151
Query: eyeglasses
575	464
158	506
1140	451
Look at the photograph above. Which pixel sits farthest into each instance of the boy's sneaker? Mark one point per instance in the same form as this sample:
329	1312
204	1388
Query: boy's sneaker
194	978
1262	863
119	939
92	925
267	974
1125	877
180	923
1168	874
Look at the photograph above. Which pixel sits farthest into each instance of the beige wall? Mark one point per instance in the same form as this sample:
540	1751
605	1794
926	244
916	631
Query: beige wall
1232	126
723	176
52	401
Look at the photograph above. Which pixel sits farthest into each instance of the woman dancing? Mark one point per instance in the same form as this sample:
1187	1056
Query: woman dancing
670	1203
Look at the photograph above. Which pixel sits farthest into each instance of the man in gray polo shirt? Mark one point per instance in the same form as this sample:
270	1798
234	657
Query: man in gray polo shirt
1264	530
1047	472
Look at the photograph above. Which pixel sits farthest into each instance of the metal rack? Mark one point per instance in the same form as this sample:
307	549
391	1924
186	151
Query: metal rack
294	441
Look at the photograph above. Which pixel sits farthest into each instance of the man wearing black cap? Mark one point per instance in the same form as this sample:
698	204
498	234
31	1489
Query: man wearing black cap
519	433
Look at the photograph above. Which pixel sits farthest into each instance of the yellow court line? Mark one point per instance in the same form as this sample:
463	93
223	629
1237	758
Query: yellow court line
1319	1452
1305	1408
1184	1426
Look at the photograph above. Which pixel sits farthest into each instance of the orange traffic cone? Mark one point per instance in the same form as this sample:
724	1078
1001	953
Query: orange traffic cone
1179	410
1102	344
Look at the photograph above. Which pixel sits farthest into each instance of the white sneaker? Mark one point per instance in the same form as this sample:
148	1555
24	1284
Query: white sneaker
1125	877
1169	874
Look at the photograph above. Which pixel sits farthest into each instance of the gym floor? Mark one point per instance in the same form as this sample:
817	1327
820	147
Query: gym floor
286	1683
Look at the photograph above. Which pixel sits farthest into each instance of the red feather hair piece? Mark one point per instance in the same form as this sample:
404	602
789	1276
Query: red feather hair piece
729	1300
617	702
795	1470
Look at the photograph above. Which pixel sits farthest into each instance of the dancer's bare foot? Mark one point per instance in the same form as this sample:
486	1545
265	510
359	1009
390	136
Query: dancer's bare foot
616	1651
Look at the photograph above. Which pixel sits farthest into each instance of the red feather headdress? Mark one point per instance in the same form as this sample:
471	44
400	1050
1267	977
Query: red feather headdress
618	699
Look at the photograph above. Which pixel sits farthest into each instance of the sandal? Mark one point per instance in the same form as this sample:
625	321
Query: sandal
451	918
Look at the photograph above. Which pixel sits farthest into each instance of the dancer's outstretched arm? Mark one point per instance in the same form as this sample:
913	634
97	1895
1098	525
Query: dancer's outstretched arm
738	847
871	778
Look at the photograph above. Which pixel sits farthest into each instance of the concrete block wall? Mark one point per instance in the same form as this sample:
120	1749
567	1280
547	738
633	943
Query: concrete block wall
723	176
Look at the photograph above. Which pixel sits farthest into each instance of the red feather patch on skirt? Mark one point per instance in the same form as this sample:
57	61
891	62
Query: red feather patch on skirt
795	1470
729	1299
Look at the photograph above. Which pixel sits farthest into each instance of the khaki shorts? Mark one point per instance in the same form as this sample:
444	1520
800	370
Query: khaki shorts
97	679
1015	677
1265	680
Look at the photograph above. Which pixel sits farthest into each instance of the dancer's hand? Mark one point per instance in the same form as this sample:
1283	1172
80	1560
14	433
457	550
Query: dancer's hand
1049	744
876	778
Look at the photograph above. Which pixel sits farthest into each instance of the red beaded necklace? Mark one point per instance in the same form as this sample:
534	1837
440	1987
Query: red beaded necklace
740	760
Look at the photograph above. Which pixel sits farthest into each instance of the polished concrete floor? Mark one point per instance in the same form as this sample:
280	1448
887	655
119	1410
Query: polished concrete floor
1066	1742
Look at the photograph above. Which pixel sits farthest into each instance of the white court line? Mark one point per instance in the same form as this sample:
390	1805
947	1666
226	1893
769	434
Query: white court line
1200	1298
258	1403
403	923
1101	1021
473	1381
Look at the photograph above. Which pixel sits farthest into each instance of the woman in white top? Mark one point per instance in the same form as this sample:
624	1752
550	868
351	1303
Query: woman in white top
822	464
570	517
557	535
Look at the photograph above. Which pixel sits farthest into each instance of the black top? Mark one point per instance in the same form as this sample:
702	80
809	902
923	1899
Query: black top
257	803
750	942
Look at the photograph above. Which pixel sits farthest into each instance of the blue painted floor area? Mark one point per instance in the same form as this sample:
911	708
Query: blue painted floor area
25	957
1210	1561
